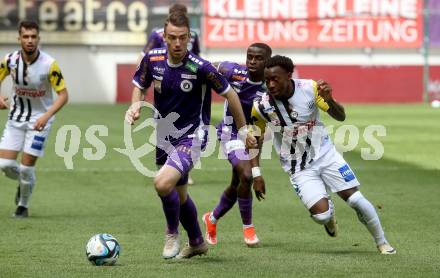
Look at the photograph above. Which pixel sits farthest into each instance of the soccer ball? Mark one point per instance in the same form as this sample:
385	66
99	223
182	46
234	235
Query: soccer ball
103	249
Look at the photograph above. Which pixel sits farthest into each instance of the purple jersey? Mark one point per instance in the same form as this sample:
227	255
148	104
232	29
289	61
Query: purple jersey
237	75
183	88
156	40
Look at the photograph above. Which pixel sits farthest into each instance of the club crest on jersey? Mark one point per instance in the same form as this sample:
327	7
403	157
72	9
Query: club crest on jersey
294	114
186	86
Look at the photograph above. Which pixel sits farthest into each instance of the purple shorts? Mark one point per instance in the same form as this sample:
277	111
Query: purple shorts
232	147
182	156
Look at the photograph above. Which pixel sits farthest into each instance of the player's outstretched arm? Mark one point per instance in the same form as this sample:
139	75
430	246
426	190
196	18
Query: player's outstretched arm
335	110
235	108
133	112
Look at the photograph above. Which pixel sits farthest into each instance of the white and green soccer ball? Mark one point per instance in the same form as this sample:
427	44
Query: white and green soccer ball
103	249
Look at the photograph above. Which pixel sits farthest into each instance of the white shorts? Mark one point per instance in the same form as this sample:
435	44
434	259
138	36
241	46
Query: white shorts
20	136
330	171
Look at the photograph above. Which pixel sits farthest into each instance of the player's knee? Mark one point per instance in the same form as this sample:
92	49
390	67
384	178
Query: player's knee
245	178
162	185
324	217
10	168
354	199
27	174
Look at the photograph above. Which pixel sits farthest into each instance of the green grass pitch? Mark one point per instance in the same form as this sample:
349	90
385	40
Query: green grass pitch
108	195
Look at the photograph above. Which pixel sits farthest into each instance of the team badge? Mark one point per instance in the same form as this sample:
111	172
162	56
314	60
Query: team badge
294	114
186	86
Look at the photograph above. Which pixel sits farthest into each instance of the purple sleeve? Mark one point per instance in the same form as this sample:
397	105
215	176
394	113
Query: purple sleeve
227	68
216	81
154	41
142	77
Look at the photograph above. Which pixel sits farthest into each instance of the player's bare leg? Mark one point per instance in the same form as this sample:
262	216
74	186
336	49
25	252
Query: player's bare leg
368	216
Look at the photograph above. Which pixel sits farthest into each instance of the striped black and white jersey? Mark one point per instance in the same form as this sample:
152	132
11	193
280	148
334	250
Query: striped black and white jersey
33	83
299	136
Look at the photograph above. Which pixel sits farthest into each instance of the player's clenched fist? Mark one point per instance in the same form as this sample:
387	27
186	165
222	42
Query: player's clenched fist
4	103
324	90
132	115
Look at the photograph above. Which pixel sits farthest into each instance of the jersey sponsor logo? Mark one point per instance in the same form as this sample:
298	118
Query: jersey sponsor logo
157	58
22	92
189	76
159	70
347	173
238	77
191	66
186	86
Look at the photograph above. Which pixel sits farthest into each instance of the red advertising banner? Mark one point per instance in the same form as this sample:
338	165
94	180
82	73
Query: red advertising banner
314	23
351	84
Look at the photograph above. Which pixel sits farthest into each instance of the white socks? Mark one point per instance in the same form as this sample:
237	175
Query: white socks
368	216
26	182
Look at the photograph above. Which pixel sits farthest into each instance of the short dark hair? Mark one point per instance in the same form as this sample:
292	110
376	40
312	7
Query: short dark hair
178	19
28	24
280	61
264	46
177	7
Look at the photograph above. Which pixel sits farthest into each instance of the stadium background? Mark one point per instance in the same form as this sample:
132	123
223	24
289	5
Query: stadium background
107	194
375	51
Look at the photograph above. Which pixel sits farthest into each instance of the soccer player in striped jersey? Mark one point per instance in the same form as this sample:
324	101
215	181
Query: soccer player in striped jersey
291	107
35	75
248	82
182	84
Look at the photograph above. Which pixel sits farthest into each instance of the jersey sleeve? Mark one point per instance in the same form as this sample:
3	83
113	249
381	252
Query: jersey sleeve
320	102
257	119
153	41
216	81
226	69
56	78
142	77
4	70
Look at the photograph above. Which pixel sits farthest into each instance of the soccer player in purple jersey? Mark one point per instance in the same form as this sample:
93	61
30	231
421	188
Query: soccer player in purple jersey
157	40
182	84
248	83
